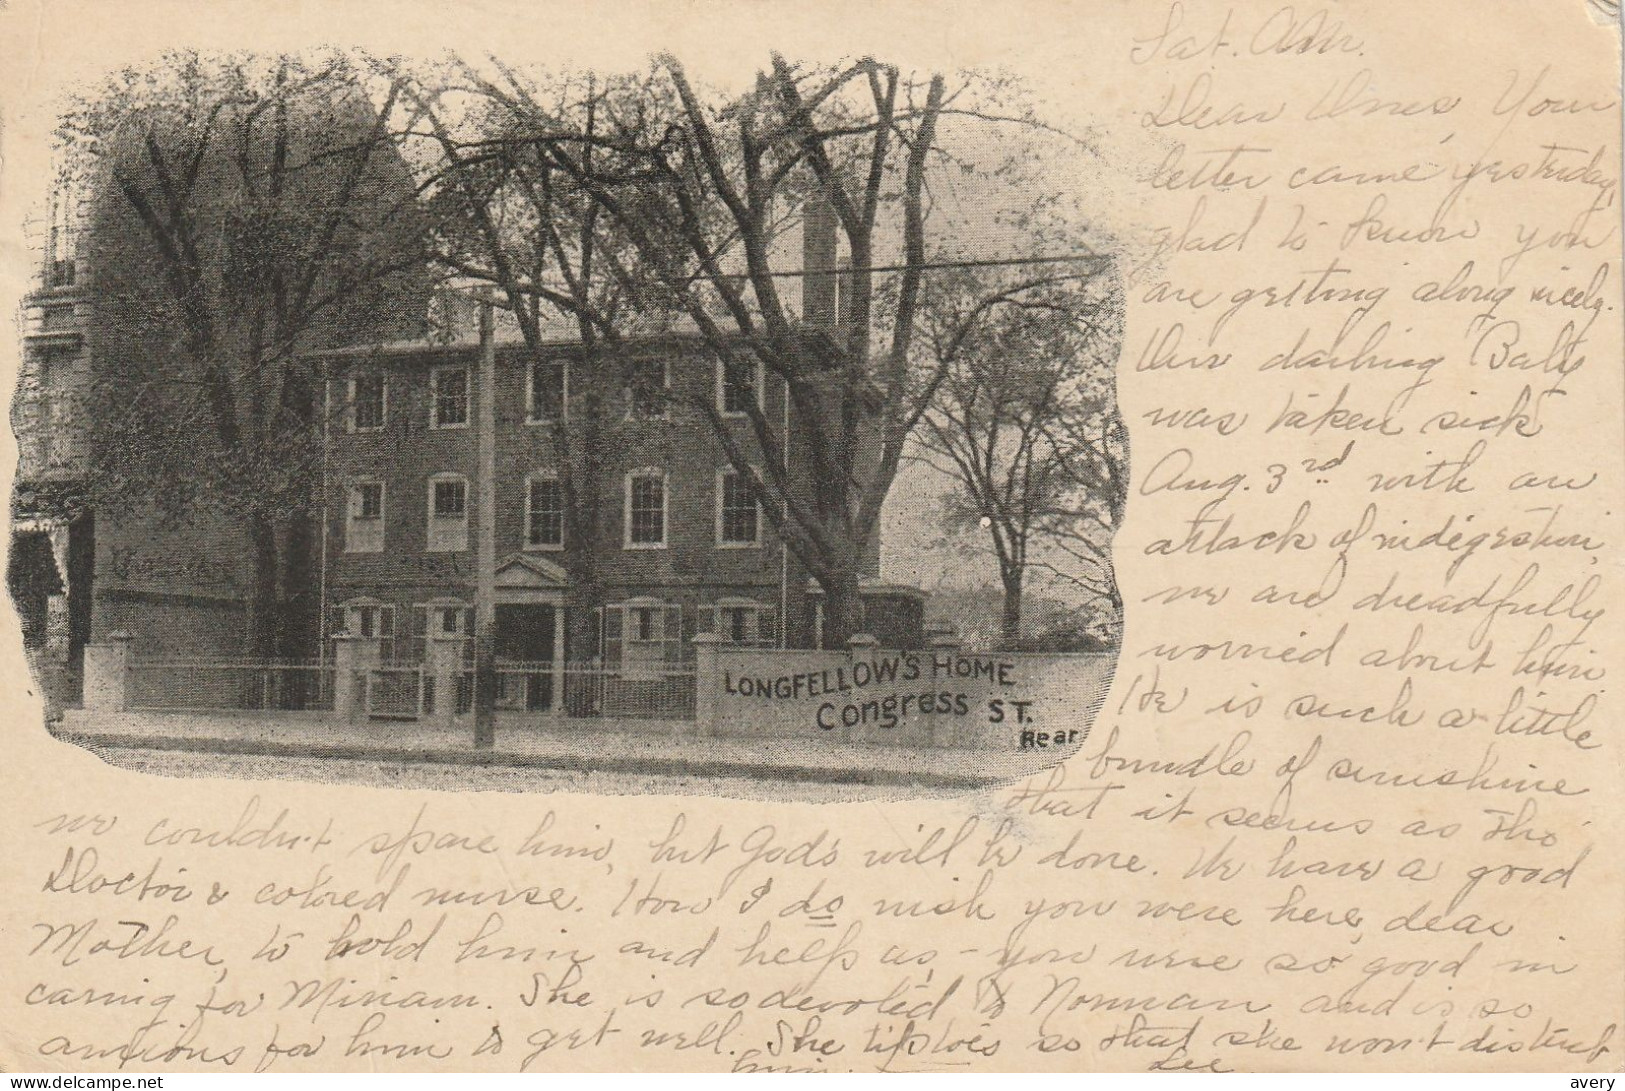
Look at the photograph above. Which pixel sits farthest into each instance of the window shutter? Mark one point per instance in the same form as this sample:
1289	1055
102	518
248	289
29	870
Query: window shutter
707	622
767	619
613	617
468	621
385	632
420	620
673	634
335	620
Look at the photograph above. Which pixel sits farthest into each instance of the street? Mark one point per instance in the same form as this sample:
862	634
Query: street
475	778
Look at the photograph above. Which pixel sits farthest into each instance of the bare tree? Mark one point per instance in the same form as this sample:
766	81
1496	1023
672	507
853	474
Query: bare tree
246	211
505	216
701	186
1025	422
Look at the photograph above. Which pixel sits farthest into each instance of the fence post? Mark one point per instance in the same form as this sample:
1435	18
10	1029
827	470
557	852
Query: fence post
353	657
443	660
107	673
707	682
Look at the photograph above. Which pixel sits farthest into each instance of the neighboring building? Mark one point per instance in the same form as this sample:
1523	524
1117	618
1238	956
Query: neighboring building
680	547
89	556
52	554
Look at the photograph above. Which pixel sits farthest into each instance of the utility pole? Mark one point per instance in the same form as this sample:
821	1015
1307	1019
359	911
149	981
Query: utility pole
485	555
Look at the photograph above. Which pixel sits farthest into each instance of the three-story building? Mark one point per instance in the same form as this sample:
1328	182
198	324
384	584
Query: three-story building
664	540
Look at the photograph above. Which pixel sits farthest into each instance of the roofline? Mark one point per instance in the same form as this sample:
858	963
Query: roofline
402	349
868	586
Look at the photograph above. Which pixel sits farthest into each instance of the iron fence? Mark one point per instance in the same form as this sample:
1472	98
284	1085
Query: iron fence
395	692
408	692
590	691
199	685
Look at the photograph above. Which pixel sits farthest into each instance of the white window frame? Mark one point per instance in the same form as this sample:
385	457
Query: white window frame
665	508
647	665
755	543
434	397
714	613
564	393
431	539
383	614
722	389
350	425
544	547
434	616
665	385
352	515
428	620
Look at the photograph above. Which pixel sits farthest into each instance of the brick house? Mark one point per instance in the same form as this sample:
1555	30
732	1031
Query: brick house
679	547
99	330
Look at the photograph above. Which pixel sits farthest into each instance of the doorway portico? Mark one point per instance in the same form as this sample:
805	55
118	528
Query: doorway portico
529	634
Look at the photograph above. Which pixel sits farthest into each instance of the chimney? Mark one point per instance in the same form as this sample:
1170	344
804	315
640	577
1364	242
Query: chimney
818	280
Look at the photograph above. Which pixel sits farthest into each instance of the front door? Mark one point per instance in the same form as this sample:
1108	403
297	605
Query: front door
524	652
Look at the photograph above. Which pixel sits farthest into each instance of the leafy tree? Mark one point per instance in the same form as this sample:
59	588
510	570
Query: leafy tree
1025	422
507	219
701	186
245	210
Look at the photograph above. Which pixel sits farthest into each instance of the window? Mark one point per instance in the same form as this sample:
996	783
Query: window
544	513
372	621
642	638
742	621
368	403
367	618
739	385
738	515
645	644
448	514
549	389
450	386
442	619
456	620
438	618
646	390
646	509
364	527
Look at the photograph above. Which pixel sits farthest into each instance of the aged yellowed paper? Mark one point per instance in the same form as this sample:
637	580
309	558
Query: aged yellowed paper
1134	585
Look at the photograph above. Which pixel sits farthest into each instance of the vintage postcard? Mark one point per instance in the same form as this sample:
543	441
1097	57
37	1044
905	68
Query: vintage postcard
812	537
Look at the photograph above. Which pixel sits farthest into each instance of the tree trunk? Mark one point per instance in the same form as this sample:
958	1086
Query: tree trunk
1010	622
300	606
843	610
264	614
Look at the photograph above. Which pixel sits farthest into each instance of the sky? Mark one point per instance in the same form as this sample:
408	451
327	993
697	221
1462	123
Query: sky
967	216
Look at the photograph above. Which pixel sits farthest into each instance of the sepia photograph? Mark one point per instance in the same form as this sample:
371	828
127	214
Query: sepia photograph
780	537
472	424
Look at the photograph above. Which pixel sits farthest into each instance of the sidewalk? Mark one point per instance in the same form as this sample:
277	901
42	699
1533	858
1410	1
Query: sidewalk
581	746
